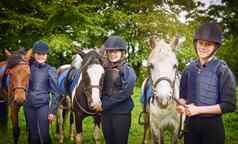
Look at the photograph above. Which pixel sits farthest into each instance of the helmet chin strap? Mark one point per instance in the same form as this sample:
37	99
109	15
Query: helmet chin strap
212	55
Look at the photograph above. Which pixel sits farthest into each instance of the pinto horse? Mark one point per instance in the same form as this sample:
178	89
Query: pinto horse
86	99
85	96
14	83
161	106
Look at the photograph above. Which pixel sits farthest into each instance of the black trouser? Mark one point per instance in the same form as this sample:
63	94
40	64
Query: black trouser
38	124
3	121
204	130
116	128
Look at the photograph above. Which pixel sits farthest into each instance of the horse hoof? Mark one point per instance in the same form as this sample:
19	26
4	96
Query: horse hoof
71	138
78	139
61	141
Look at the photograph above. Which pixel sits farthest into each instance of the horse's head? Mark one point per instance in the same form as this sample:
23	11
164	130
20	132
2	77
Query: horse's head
162	63
18	71
92	73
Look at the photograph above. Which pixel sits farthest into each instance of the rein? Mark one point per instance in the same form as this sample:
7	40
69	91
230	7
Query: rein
82	68
83	109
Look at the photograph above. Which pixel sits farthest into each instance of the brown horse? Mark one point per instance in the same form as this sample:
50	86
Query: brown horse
14	83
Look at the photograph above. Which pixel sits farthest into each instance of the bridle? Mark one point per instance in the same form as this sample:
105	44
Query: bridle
171	83
83	68
18	86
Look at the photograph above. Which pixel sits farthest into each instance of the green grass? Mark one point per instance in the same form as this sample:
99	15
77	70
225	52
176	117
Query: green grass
136	131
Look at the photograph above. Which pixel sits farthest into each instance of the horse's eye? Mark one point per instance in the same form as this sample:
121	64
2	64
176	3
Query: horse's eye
150	66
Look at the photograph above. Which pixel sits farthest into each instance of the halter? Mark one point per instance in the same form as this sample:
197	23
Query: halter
18	86
83	67
171	83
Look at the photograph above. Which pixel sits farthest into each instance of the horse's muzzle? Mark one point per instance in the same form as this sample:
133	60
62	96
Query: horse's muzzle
19	96
162	102
96	107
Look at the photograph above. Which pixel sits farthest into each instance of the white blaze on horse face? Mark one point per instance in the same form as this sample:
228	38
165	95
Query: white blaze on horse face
95	73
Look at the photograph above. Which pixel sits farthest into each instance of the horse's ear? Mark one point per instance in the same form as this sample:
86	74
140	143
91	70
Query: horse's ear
7	52
174	43
152	41
80	52
101	51
28	54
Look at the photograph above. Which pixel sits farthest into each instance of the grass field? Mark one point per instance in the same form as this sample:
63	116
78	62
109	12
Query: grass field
136	131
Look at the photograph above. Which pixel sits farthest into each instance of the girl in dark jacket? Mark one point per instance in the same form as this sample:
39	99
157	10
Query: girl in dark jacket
207	89
43	81
118	87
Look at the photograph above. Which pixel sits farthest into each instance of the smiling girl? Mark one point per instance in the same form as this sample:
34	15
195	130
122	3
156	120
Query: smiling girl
207	89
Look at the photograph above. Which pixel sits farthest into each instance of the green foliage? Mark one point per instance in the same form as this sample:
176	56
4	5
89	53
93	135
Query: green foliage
61	47
229	52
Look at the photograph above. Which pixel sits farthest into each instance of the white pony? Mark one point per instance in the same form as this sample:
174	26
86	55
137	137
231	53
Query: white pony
165	78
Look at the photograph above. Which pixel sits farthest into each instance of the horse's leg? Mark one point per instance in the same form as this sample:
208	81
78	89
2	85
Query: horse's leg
3	122
71	125
174	136
146	129
61	125
161	135
79	128
71	119
15	125
97	122
57	125
155	132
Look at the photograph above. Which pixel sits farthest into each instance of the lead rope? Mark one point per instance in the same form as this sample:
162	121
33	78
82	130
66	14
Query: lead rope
83	109
180	133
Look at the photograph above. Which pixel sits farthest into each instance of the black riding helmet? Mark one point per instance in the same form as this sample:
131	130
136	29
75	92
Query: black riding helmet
115	43
209	32
40	47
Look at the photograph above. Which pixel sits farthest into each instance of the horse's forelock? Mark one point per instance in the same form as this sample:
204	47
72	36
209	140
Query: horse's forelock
91	57
161	50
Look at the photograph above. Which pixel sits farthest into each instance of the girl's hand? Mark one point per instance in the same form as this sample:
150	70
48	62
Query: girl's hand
180	109
192	110
51	117
180	105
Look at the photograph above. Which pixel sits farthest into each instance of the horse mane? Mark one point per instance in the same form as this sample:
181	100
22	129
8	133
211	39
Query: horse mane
15	58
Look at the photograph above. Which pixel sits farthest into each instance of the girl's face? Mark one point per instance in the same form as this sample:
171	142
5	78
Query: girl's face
205	49
40	57
114	55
